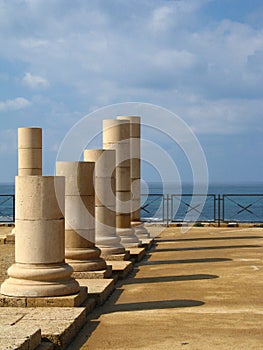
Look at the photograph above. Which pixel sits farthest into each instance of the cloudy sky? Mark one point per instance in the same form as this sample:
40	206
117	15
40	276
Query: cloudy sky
201	59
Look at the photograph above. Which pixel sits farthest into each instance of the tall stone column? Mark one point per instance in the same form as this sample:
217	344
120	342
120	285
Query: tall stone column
116	136
40	269
105	202
80	251
135	162
29	151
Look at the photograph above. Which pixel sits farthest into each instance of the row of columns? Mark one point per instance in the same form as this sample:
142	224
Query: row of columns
60	218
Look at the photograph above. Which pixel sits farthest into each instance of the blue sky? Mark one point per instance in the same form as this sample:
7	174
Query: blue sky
201	59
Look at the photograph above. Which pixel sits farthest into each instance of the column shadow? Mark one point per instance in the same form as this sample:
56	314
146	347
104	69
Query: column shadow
170	278
159	240
206	248
185	261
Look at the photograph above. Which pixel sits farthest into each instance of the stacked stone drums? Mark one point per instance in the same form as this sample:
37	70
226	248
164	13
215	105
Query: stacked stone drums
105	203
29	151
135	163
80	251
116	136
40	269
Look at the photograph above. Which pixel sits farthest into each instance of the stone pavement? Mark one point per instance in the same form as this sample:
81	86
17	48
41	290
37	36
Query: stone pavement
196	290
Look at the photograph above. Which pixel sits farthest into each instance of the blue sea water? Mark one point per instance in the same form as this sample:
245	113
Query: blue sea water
163	202
227	202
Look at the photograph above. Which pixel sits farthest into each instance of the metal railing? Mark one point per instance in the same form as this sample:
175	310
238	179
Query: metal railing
242	207
239	208
7	208
175	208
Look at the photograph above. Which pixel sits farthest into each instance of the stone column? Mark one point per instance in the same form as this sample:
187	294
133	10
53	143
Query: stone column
81	252
29	154
135	162
116	135
105	202
29	151
40	269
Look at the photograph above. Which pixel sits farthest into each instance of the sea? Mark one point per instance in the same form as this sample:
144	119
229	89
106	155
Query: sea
168	202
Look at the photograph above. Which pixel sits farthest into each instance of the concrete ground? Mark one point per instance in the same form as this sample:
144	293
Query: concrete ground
196	290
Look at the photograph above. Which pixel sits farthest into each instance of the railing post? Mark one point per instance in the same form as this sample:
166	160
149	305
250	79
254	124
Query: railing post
167	198
219	210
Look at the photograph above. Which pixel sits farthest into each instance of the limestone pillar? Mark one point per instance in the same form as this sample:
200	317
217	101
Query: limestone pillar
105	201
29	151
40	269
116	136
135	162
80	251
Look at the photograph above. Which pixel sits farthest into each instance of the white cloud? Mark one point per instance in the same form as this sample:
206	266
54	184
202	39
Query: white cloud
35	81
98	56
15	104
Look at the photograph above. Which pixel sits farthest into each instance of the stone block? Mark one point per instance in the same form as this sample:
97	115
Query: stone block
58	325
119	257
105	161
115	130
105	192
124	202
123	180
79	177
123	221
19	336
121	268
79	212
105	216
137	253
30	158
135	125
99	274
29	190
63	301
29	138
135	168
29	172
99	289
33	236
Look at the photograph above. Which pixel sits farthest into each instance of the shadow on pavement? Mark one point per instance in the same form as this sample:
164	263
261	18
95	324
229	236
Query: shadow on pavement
159	240
153	305
185	261
170	278
206	248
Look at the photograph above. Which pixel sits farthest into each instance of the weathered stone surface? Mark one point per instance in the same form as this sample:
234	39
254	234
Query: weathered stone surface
137	254
60	301
94	274
19	337
81	252
100	289
121	268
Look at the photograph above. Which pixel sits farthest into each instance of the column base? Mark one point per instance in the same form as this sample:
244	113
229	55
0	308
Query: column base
140	230
107	252
87	265
28	280
128	238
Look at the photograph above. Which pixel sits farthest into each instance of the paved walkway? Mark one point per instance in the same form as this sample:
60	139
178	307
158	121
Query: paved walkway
199	290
